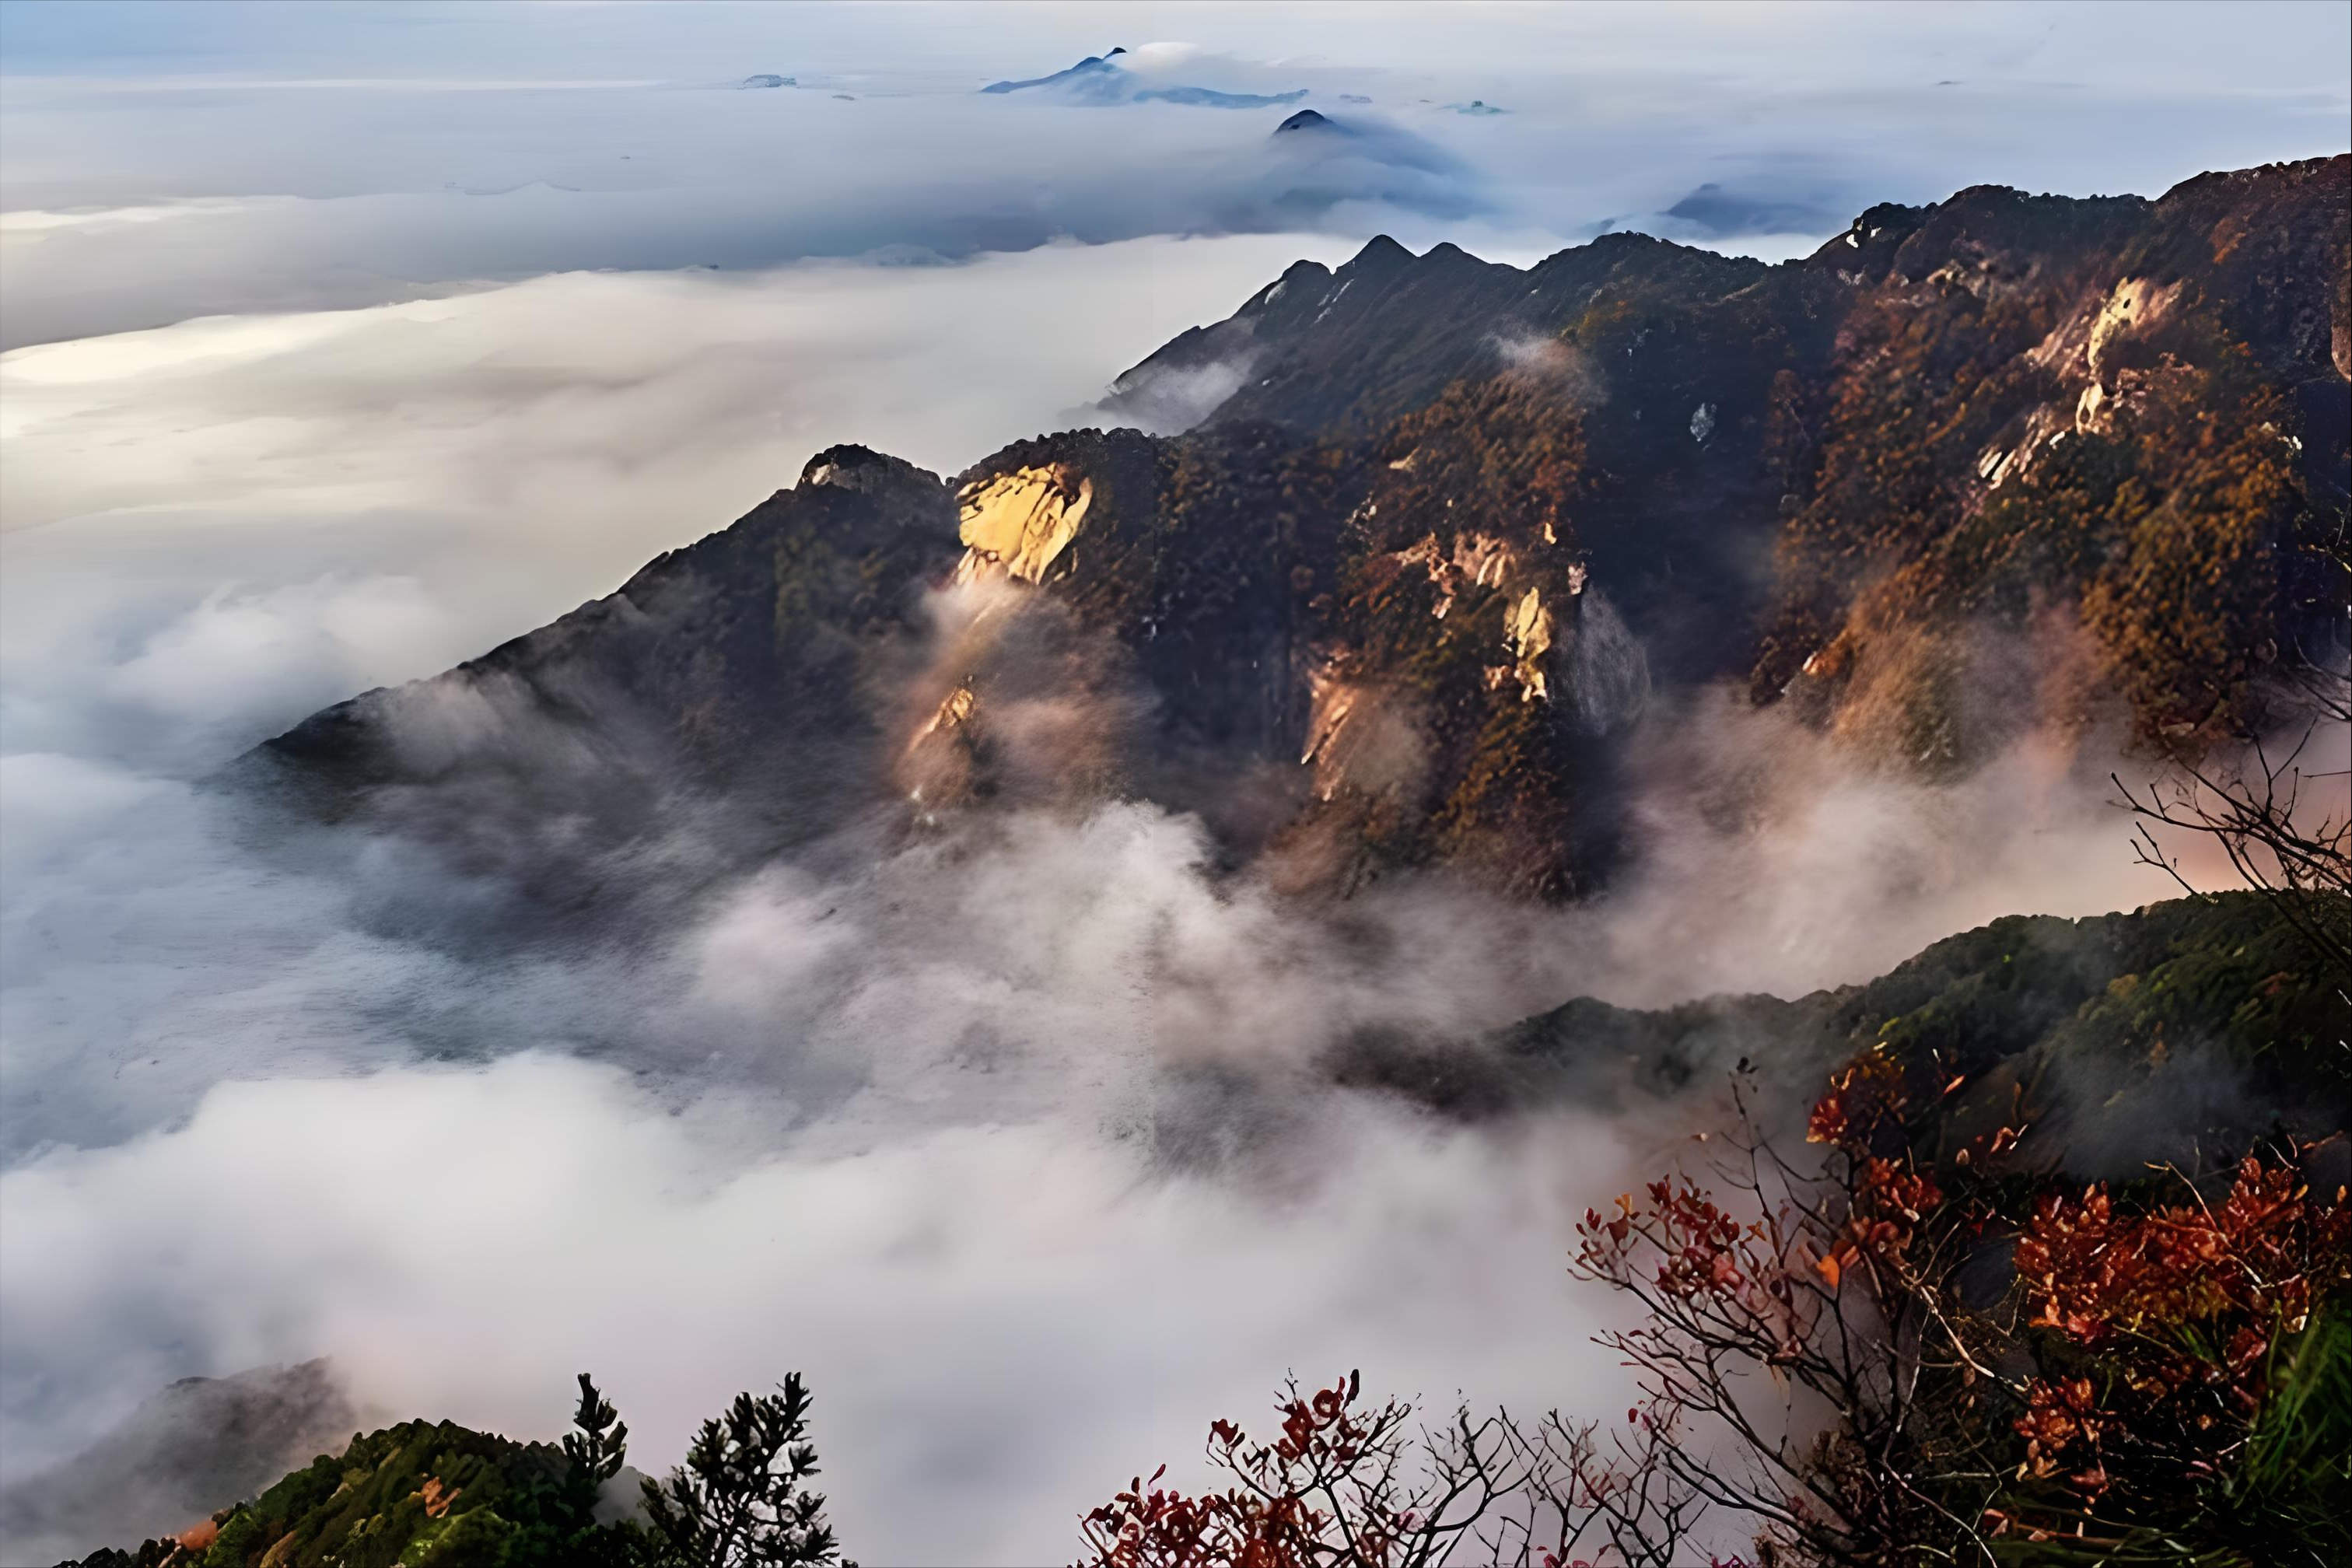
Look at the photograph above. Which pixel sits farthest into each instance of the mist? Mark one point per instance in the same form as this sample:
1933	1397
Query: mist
214	527
339	353
1018	1138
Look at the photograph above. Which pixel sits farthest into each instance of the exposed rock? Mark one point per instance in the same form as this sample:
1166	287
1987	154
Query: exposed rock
1529	631
1019	523
2135	305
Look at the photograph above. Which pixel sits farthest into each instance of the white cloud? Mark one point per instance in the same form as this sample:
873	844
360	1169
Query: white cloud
250	658
1005	1137
379	493
1003	1321
1615	115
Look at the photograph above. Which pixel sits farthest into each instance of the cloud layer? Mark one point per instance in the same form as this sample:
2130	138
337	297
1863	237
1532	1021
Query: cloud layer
1013	1139
1001	1320
439	146
998	1136
214	528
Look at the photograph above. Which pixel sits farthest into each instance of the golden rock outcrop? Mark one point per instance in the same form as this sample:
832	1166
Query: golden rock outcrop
1020	523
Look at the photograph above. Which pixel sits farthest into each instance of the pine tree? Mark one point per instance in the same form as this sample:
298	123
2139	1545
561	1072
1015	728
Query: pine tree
740	1500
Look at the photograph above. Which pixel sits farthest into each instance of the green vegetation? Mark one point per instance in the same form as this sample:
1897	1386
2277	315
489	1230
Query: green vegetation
428	1495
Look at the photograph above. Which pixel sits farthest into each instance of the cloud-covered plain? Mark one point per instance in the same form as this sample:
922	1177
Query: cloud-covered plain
1015	1140
514	182
1002	1320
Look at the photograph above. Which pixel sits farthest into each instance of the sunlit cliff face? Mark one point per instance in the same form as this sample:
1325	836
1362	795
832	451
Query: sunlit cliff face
1018	524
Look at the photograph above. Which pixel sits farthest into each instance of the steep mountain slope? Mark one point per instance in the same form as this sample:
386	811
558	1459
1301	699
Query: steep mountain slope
741	682
1876	439
2165	1034
425	1494
1352	347
1999	464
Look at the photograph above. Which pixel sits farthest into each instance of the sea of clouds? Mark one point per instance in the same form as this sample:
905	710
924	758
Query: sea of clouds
337	356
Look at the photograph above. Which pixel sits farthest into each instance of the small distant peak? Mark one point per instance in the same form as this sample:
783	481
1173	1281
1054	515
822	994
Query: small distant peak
766	79
834	461
1306	120
1380	254
854	468
1093	70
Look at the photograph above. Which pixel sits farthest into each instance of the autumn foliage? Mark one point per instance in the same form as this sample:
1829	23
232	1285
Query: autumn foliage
1865	1356
1323	1491
2168	1331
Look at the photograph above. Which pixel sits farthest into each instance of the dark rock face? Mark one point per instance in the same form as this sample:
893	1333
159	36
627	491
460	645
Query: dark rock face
743	677
1445	528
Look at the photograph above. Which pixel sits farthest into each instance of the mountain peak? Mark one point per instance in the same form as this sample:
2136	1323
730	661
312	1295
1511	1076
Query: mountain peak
1380	254
1094	66
855	468
1307	120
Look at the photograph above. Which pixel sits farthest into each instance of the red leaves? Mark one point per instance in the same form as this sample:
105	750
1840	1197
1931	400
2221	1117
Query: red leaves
2096	1276
2141	1362
2180	1307
1865	1095
1267	1521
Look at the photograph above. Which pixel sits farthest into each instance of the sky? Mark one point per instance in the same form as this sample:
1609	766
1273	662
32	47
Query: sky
342	342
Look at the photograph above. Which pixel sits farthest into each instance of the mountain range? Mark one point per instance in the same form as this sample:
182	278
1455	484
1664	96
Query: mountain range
1413	544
